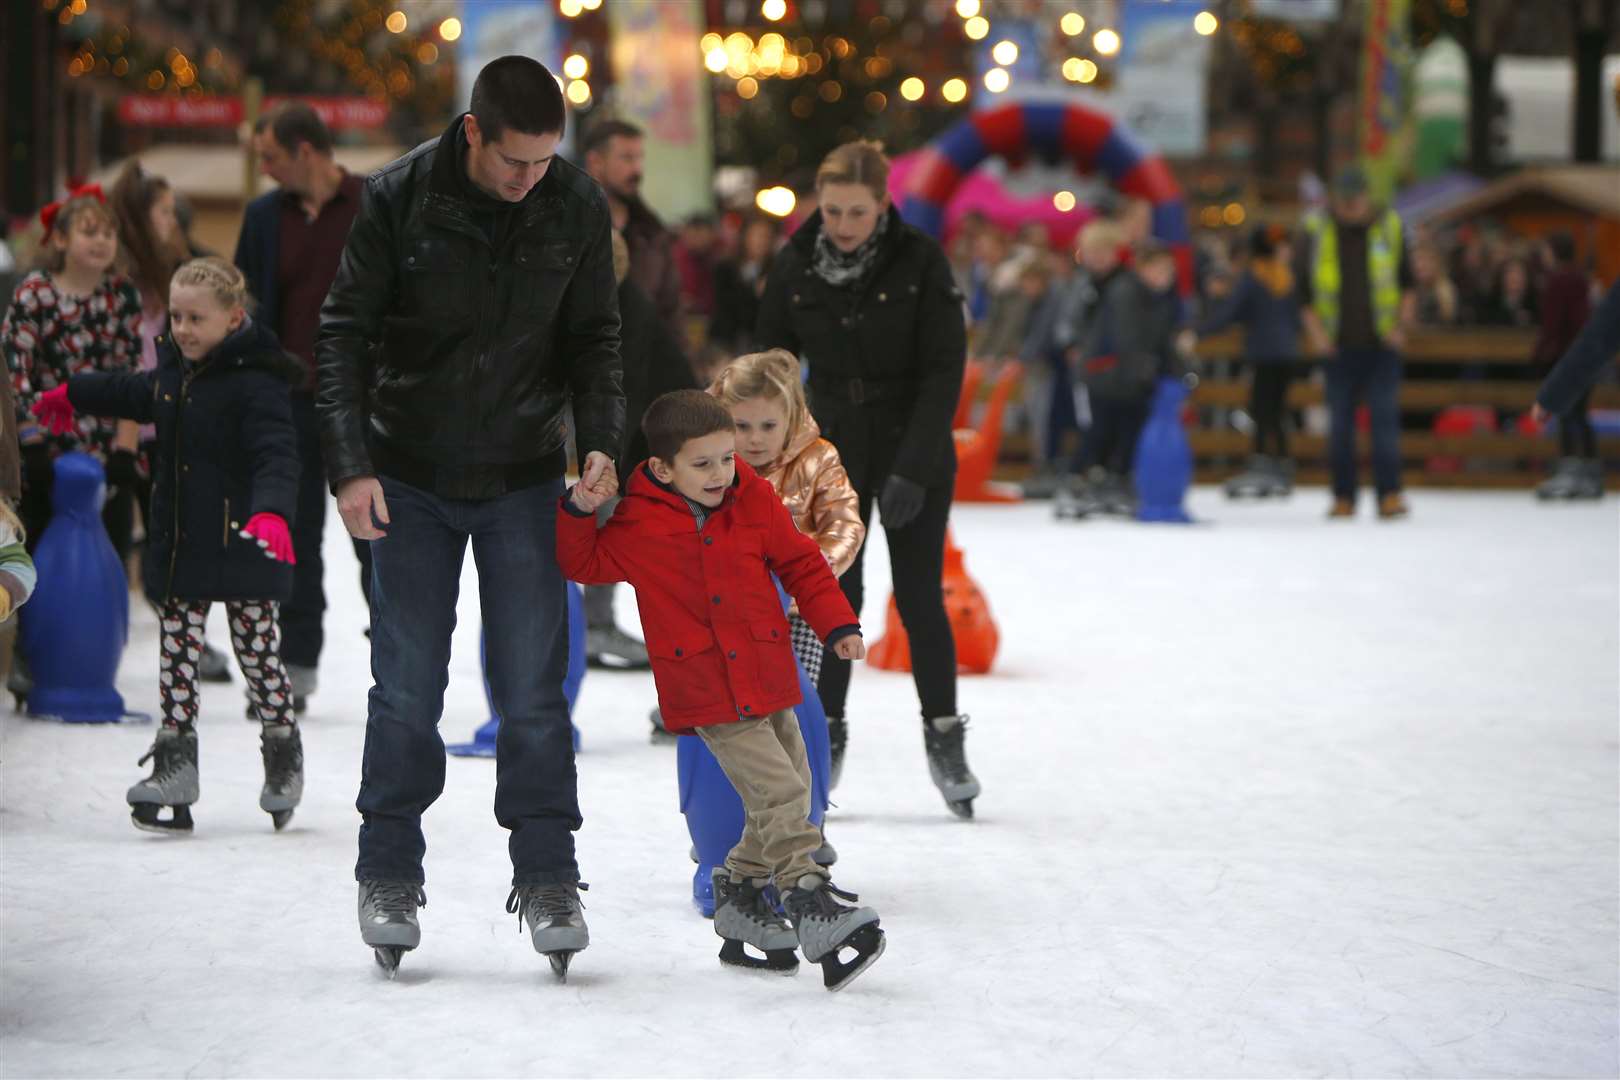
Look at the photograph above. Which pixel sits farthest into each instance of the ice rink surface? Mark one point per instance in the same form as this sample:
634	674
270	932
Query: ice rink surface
1262	797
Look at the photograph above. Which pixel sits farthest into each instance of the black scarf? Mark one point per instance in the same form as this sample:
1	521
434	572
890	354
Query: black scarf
840	268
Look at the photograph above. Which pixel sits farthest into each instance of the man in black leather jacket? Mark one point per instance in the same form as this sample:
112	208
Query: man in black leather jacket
474	304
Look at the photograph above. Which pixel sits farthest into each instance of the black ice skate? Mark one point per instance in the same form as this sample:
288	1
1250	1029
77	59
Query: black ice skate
388	920
556	921
173	783
743	916
213	666
947	763
844	940
660	734
1263	479
283	751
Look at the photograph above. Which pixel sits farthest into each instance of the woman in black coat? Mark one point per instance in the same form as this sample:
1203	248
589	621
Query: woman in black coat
869	305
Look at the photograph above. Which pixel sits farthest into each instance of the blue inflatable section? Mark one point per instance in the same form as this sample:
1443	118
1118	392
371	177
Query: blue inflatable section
76	625
714	813
1163	463
483	740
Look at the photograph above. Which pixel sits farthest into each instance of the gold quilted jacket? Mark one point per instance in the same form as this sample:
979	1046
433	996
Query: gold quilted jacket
817	491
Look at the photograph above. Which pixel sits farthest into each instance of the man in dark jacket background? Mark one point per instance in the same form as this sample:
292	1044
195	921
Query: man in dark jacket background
614	153
288	250
474	305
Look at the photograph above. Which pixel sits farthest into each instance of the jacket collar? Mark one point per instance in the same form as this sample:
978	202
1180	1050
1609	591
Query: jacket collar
644	485
803	240
809	431
251	345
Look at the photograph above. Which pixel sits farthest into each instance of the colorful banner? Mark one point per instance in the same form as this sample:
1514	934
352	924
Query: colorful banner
172	110
1384	105
661	87
496	28
1163	68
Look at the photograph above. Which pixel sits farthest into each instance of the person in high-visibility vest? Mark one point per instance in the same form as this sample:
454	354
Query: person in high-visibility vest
1356	287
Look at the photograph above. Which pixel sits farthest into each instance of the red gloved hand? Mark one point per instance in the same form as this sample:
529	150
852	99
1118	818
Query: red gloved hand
270	530
54	410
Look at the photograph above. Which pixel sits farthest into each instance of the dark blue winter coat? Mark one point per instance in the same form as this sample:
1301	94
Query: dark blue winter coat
1271	323
226	450
1593	350
258	251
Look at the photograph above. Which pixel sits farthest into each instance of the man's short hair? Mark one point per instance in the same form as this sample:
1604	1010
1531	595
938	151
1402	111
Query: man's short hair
599	134
676	418
517	93
294	122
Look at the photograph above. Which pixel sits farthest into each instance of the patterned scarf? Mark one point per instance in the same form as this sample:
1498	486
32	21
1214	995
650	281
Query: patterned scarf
840	268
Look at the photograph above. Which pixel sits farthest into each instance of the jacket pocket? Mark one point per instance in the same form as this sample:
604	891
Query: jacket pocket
778	668
543	270
686	673
435	276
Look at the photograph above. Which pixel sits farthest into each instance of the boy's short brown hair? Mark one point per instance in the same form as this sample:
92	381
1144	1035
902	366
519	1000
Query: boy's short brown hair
679	416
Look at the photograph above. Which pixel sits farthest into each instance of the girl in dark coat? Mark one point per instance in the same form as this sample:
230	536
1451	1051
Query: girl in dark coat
225	485
869	305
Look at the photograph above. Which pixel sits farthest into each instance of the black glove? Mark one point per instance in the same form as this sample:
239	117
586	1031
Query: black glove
122	470
901	501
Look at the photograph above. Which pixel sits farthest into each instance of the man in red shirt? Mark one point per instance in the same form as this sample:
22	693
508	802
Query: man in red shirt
291	241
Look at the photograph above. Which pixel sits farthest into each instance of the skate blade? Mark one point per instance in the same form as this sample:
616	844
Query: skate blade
145	817
867	944
962	808
559	963
776	961
387	957
279	818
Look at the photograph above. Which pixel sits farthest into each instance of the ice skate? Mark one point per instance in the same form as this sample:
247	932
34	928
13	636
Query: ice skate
827	930
1076	501
943	738
743	916
1564	481
659	734
388	920
1282	476
20	682
173	783
1589	480
213	666
837	740
556	921
1116	497
611	648
1258	481
283	751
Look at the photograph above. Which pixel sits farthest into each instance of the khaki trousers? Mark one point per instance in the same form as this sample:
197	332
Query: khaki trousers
766	762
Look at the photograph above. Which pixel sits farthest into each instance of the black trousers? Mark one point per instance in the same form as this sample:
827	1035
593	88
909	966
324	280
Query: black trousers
1575	435
1111	441
302	615
1268	404
917	563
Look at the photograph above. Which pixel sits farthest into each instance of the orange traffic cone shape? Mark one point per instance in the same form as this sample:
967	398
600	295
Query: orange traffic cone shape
971	624
977	449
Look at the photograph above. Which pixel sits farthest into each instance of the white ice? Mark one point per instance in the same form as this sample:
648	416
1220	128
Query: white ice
1265	796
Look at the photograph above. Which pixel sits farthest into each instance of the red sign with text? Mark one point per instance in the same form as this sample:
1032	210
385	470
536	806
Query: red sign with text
170	110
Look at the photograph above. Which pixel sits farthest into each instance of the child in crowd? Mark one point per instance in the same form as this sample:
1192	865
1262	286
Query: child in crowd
76	314
226	484
17	576
698	534
1133	343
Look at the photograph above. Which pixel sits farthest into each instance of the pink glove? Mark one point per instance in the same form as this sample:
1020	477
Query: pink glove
270	530
54	410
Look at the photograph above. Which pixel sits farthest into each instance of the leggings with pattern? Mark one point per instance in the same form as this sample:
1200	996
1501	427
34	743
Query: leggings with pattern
253	636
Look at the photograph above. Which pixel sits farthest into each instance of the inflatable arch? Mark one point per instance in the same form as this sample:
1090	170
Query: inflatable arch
1093	141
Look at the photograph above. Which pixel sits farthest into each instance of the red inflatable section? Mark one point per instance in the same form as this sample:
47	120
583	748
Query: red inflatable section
977	637
977	448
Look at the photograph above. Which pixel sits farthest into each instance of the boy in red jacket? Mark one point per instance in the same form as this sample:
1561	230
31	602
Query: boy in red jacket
698	535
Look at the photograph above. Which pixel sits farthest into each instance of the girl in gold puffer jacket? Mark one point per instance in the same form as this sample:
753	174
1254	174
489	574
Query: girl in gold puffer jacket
779	438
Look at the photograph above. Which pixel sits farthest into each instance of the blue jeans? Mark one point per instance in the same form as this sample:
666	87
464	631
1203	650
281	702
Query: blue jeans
1374	374
416	578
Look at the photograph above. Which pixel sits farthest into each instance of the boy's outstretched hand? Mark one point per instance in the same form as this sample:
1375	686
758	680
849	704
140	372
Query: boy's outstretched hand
850	648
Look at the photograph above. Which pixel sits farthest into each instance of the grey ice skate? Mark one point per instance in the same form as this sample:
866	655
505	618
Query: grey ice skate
213	667
282	749
1589	480
743	916
943	739
827	929
612	648
1076	501
556	921
1564	482
173	783
387	911
1258	481
1116	497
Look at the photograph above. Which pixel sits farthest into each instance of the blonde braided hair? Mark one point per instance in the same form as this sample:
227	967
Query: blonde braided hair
216	274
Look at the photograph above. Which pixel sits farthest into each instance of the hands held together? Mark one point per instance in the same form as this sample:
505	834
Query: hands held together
598	482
